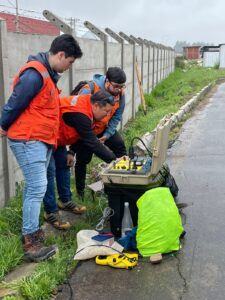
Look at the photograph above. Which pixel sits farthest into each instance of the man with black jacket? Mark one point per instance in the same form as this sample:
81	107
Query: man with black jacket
114	82
78	115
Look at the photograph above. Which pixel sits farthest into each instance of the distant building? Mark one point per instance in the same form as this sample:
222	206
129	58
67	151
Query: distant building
29	25
191	52
222	56
210	55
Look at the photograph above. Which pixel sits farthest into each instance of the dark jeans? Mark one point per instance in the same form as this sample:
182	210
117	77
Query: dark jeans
84	155
58	169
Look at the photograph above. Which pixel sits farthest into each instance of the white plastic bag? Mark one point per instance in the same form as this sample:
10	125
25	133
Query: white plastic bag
89	248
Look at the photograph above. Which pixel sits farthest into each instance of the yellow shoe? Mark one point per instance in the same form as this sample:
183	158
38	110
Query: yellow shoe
120	261
71	206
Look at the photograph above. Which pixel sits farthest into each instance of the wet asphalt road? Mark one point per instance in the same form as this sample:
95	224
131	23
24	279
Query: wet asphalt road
197	272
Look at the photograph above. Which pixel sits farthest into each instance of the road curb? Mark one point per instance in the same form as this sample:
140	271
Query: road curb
148	137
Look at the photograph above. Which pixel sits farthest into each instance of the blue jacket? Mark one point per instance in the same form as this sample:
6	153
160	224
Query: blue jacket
27	87
116	118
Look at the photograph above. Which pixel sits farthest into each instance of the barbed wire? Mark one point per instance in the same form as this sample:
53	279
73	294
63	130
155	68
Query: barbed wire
76	24
13	5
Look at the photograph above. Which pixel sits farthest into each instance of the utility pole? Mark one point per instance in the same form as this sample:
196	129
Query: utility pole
74	26
71	22
17	17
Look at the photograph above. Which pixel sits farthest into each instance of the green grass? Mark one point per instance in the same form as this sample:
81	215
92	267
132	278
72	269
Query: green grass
167	97
11	253
48	274
11	246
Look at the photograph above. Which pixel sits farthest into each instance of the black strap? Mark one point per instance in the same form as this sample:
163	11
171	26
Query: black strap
92	86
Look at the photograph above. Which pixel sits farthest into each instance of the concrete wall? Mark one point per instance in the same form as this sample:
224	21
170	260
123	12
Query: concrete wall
15	49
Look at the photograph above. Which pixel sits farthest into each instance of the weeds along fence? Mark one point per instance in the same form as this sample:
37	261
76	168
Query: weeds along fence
155	60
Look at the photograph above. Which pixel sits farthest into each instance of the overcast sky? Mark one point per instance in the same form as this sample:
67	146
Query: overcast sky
162	21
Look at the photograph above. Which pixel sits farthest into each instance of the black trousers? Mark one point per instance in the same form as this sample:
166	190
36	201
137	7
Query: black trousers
84	155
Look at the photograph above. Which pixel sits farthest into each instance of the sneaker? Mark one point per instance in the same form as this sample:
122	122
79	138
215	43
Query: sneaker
55	220
121	261
35	251
71	206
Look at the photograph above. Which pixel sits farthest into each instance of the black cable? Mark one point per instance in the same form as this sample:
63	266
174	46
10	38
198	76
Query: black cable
137	138
106	247
70	260
99	246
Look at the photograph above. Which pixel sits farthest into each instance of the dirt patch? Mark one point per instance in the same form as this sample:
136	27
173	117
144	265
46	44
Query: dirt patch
202	104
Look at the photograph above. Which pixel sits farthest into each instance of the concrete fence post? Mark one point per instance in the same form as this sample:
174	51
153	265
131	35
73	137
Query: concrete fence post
4	90
147	44
167	64
149	63
64	27
103	37
153	63
160	62
120	40
139	41
164	62
132	42
168	60
174	57
142	63
157	64
169	50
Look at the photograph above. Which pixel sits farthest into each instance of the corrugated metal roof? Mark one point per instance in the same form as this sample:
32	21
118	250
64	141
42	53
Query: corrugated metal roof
192	47
210	49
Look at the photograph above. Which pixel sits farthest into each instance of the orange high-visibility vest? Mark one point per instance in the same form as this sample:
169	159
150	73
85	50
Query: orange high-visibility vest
78	103
40	120
100	126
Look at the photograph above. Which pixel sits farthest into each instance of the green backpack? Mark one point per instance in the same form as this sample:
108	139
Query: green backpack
159	222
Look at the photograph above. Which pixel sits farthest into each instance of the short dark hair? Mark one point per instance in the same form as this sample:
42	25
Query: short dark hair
116	74
68	44
102	98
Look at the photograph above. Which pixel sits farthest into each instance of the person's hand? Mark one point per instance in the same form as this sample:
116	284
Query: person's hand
2	132
70	160
102	139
